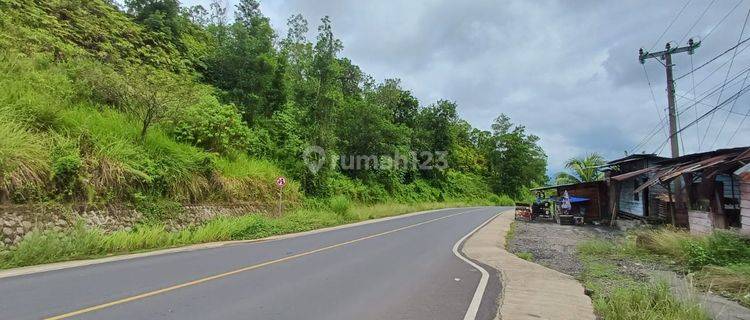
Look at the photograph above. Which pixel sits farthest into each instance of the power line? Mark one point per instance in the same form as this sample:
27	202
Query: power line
709	112
719	68
670	25
692	68
682	145
722	20
727	111
729	70
738	127
742	32
653	97
696	21
649	136
713	59
712	91
715	88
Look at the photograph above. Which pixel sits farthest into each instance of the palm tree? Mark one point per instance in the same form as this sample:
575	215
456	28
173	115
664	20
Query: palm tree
583	169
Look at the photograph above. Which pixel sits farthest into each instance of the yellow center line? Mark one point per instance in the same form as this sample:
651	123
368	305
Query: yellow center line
248	268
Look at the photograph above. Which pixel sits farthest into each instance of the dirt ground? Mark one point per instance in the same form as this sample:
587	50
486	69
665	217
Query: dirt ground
553	245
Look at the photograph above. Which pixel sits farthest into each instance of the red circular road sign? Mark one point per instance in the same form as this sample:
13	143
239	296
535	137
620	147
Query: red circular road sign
280	182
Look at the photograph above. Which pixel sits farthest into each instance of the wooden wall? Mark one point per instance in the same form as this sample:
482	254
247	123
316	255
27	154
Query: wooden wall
596	192
700	222
627	202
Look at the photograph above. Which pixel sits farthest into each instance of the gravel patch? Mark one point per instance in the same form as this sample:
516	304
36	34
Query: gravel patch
553	245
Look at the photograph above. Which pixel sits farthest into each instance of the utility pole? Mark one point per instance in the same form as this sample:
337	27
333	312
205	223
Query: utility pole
666	55
680	202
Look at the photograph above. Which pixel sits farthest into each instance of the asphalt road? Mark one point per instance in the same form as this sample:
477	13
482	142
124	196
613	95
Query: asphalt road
402	268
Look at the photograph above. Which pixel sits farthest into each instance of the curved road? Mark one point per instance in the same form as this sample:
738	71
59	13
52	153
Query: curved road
401	268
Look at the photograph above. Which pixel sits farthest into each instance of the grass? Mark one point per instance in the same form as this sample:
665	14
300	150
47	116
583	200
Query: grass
81	243
340	205
528	256
732	281
510	234
618	295
719	262
646	301
48	107
23	160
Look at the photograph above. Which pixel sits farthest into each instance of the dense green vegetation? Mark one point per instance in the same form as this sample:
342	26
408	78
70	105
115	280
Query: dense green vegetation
103	104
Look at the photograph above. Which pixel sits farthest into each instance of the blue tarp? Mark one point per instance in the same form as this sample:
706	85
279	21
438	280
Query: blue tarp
574	199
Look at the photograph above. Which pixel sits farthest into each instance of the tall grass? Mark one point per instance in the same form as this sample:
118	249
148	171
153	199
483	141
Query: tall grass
720	248
70	108
646	301
242	177
340	205
619	295
24	161
718	262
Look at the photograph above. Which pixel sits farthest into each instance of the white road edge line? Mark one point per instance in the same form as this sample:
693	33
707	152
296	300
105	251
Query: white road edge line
471	312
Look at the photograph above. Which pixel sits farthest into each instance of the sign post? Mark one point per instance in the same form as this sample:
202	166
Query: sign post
280	183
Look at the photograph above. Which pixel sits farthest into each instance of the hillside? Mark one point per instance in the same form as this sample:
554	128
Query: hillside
156	107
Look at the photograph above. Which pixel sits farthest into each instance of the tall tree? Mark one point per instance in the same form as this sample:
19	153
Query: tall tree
515	160
246	65
160	16
328	94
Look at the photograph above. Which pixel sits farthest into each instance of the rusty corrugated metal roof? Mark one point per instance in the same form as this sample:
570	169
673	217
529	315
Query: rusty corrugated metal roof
631	174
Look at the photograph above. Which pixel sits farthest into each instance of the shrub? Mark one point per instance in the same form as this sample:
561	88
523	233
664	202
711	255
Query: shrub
340	205
34	90
66	167
212	126
245	178
725	248
721	248
459	185
50	246
502	200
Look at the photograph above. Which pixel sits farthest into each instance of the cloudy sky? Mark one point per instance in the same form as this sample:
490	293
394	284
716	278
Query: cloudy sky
567	70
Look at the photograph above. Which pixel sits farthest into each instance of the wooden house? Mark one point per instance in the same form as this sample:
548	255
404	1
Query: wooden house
704	188
626	175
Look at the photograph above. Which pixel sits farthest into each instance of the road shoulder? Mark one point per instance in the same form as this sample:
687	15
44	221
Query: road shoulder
528	290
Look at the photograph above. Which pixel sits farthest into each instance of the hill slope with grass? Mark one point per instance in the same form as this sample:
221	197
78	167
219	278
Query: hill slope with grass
105	104
154	107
